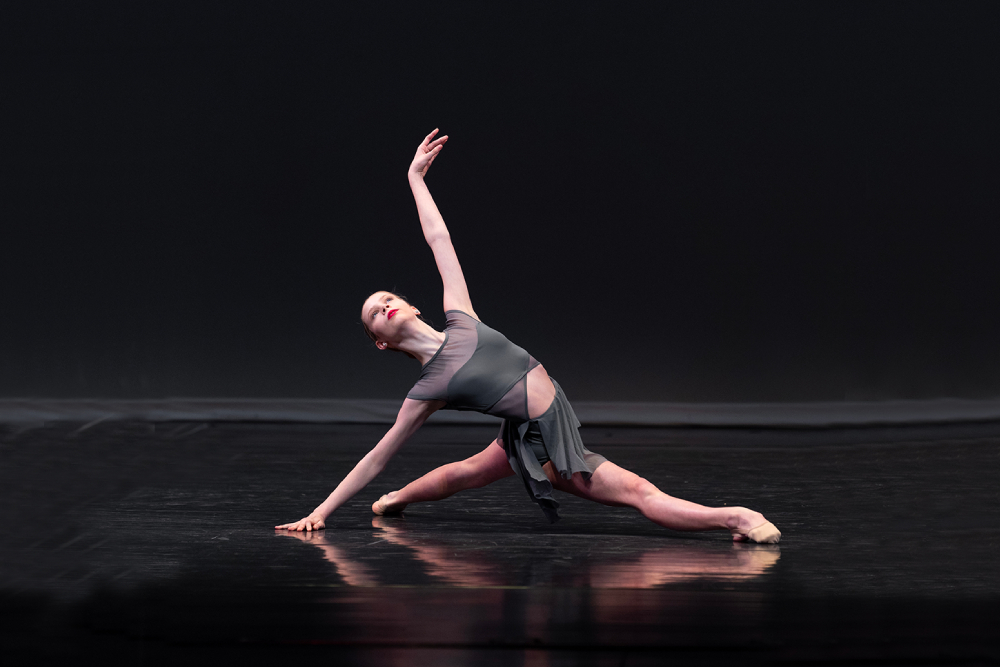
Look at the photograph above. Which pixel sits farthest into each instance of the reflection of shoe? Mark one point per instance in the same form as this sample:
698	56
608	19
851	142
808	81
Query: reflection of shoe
390	526
756	558
765	533
382	506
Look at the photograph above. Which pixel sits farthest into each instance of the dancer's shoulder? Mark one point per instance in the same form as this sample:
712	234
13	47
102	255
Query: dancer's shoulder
460	318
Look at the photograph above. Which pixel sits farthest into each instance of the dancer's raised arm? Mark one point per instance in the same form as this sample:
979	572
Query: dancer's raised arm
411	417
456	292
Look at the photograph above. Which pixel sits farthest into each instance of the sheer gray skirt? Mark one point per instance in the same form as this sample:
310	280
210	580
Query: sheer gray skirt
553	436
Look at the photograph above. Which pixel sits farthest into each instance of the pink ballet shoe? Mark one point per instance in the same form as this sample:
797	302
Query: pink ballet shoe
765	533
382	506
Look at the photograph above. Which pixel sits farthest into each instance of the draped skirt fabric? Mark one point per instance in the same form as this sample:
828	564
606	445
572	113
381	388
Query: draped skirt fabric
559	428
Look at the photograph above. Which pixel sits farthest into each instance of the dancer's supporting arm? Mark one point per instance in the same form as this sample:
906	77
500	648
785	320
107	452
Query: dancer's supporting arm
411	417
456	292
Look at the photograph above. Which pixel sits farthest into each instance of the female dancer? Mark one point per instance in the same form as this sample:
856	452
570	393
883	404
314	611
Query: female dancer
470	366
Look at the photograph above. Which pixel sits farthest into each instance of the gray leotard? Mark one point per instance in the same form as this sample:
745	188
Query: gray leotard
477	368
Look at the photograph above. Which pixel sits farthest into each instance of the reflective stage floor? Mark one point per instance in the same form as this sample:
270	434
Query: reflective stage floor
140	543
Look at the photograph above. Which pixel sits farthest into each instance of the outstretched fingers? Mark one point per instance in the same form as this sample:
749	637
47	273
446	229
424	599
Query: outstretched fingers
433	155
433	149
426	152
307	524
428	146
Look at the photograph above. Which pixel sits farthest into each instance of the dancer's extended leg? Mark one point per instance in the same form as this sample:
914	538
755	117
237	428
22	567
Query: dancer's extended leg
613	485
485	467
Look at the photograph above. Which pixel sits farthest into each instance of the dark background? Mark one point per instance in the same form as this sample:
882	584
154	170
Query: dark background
671	201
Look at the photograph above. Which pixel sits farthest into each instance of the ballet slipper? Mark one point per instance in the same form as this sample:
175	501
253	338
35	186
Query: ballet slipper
382	506
765	533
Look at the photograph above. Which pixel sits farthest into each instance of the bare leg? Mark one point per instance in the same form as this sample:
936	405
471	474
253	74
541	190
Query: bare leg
613	485
485	467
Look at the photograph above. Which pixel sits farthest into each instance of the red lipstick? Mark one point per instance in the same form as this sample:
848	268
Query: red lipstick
391	313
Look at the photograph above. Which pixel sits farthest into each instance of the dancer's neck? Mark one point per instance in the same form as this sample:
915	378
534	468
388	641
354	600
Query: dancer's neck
422	341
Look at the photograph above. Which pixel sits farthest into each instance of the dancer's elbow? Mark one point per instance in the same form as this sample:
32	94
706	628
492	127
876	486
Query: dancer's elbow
438	238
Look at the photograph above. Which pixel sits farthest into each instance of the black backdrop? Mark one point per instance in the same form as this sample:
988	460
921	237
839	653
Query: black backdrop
672	201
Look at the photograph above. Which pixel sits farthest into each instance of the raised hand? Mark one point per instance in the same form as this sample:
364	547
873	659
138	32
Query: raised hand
427	151
311	522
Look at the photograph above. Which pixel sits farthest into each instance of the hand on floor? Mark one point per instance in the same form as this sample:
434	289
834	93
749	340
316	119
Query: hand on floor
311	522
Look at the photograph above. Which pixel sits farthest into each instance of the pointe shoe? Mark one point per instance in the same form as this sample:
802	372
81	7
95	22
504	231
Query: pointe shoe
765	533
382	506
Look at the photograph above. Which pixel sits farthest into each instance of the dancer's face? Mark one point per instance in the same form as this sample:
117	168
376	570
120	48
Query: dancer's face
385	314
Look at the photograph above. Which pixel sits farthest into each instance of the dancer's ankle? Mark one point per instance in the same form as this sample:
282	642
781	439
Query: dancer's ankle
393	502
743	520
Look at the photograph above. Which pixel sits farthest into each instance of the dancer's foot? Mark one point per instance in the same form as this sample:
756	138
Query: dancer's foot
749	526
384	505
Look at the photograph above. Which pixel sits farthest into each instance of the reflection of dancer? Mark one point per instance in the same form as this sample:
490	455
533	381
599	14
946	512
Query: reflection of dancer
675	564
353	571
472	569
686	563
470	366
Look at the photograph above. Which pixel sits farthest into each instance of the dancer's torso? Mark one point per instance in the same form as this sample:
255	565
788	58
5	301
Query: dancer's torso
477	368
